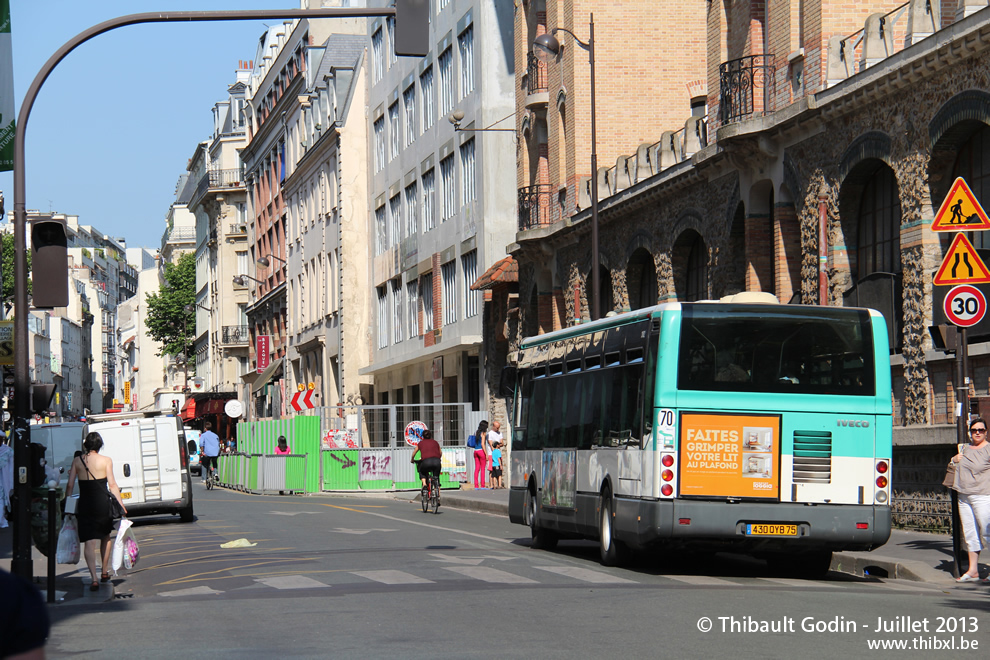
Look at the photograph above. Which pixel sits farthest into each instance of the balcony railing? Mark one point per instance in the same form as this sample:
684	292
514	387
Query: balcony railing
535	207
746	88
225	178
536	75
235	334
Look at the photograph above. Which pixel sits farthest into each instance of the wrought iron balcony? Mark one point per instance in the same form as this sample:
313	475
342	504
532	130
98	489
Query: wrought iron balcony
236	334
746	88
535	207
536	75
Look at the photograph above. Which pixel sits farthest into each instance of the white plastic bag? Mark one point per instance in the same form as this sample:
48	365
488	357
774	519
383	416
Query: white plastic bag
117	559
67	550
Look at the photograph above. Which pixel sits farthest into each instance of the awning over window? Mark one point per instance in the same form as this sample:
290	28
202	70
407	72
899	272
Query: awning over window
272	370
504	271
206	403
188	412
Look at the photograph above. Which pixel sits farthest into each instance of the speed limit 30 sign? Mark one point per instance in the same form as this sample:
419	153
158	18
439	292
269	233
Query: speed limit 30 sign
964	305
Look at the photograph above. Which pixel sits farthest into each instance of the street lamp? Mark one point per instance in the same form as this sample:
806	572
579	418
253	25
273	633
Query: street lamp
546	47
239	280
264	261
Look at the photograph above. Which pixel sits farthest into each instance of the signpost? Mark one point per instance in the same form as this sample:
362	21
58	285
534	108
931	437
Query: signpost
964	306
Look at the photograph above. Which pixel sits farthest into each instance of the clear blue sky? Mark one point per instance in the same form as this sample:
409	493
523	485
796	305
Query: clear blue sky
119	118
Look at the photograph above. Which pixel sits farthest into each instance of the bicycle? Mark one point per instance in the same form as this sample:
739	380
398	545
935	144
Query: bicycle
430	494
212	478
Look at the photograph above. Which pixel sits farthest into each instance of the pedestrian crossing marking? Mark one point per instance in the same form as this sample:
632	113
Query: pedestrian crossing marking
392	577
702	580
585	575
791	582
292	582
192	591
492	575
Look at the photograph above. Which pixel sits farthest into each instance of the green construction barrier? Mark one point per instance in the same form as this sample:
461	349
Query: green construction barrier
340	469
295	473
301	432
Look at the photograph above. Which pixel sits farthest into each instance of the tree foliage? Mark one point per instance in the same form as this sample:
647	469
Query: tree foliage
168	321
7	263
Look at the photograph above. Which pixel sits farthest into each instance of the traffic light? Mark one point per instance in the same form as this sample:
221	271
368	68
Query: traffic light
412	27
49	263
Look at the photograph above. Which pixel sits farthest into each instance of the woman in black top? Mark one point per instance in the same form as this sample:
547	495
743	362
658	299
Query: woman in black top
95	476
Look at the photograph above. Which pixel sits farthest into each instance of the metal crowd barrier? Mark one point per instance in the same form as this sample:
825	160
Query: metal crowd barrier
263	473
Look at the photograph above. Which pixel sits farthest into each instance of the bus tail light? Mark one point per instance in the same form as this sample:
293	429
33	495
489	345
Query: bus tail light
882	467
667	460
667	490
667	475
881	482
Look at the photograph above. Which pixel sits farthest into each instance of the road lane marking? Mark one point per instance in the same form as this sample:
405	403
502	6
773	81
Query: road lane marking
492	575
585	575
421	524
345	530
192	591
702	580
292	582
791	582
292	513
473	561
392	577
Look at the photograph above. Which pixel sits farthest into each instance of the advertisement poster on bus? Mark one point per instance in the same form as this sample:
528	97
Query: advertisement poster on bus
559	478
726	455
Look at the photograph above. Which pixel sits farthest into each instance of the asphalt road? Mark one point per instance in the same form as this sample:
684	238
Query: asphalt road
375	577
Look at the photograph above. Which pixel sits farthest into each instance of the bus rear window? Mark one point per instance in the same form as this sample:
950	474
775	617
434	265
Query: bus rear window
776	349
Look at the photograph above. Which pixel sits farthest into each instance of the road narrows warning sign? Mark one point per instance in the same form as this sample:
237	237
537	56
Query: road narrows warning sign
960	210
961	265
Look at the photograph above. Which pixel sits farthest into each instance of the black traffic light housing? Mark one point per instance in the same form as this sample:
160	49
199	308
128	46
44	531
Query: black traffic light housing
49	263
412	27
41	397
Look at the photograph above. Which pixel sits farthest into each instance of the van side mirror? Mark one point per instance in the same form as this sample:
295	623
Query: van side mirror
507	381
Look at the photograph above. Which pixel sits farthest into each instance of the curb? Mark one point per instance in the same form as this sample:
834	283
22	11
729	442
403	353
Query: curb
866	565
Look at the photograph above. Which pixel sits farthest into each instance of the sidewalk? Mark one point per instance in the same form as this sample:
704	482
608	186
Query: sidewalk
71	582
907	555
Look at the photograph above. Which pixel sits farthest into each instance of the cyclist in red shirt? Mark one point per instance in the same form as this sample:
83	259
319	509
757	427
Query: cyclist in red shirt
429	454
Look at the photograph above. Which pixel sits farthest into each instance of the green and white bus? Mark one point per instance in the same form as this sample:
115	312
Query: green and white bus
734	425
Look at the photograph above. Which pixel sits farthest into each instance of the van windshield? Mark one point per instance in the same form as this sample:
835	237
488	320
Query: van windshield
747	348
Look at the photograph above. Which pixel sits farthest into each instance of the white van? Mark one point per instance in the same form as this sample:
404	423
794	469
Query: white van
150	462
61	441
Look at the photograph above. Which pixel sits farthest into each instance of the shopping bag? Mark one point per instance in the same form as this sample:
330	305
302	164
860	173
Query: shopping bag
131	550
117	558
67	550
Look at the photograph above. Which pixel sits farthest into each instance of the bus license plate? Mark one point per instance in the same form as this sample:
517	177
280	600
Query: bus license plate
771	530
125	496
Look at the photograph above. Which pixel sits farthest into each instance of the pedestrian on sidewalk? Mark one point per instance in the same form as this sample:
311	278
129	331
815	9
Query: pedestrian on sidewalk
283	446
481	455
972	482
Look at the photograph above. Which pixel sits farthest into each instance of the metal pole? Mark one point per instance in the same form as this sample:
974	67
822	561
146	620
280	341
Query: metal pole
52	542
961	559
823	245
20	563
595	281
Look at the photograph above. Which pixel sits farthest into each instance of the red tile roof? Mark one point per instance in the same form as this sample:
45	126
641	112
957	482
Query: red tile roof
503	271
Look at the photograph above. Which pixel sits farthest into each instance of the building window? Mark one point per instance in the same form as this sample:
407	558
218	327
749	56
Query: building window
379	144
448	273
878	245
397	309
467	172
377	56
469	267
429	201
390	26
409	103
383	313
381	231
465	43
393	127
426	87
426	294
446	64
412	300
973	164
449	203
412	218
395	219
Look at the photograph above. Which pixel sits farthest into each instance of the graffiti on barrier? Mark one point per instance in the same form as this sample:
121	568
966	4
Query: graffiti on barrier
345	462
375	466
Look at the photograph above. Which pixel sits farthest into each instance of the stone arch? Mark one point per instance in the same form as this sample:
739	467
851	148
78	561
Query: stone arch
947	128
641	279
871	145
690	263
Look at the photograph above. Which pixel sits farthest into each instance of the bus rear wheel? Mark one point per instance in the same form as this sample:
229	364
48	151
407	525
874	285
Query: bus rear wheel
543	539
613	552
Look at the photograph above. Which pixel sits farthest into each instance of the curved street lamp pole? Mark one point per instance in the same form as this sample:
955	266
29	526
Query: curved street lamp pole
546	47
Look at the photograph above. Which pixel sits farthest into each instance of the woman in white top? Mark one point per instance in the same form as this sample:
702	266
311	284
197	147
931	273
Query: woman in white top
972	482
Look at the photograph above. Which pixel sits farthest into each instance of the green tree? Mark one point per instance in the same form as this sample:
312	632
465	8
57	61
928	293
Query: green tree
168	321
7	264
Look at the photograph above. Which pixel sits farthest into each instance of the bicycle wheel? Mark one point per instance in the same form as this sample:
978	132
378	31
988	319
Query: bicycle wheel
209	481
436	494
424	496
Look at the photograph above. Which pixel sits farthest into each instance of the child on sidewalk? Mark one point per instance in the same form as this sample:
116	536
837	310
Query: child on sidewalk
497	465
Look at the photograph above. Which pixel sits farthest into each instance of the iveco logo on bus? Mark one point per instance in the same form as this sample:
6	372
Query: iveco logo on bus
862	423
